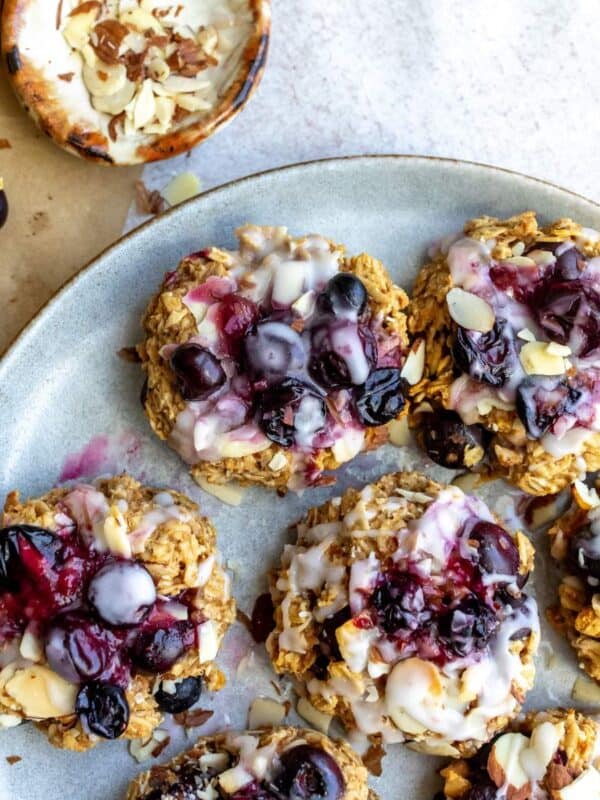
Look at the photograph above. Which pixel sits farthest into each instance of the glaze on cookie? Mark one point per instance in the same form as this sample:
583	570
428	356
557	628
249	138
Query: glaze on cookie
400	608
278	764
274	363
509	313
575	544
548	755
113	605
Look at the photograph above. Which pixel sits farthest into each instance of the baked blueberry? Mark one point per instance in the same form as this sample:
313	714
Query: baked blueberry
103	709
486	357
185	693
381	398
122	593
468	627
541	401
451	443
198	371
272	350
309	773
344	295
156	649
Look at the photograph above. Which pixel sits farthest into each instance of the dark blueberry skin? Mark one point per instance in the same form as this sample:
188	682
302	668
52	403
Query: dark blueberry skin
584	554
468	627
271	351
381	398
542	400
254	791
3	208
327	639
497	552
400	604
263	618
309	773
80	649
157	649
561	306
329	368
103	708
486	357
187	692
275	410
482	791
344	293
15	540
451	443
199	373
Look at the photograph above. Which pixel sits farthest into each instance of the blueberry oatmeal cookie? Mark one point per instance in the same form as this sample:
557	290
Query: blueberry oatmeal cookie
509	314
575	545
400	608
113	605
276	764
548	755
276	362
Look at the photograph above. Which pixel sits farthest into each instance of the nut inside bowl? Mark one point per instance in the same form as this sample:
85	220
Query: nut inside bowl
130	81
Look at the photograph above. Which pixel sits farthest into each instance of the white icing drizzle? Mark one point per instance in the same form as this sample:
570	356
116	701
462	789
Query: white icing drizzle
286	273
469	262
455	701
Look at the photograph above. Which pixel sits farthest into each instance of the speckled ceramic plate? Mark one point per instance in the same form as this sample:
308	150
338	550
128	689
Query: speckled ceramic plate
69	406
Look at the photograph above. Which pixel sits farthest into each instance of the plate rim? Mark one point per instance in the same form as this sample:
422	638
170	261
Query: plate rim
27	329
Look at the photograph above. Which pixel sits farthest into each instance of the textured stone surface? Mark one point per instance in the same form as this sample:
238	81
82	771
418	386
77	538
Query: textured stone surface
511	83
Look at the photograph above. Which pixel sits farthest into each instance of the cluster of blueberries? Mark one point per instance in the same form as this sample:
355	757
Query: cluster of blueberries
284	365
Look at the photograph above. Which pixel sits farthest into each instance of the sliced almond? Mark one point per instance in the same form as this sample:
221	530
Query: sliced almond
408	724
265	713
117	102
144	109
115	533
467	481
536	360
31	646
191	102
585	497
414	366
586	691
400	435
228	493
305	304
181	188
585	787
434	748
215	761
526	335
556	349
238	448
520	261
10	720
233	779
41	693
158	69
209	640
470	311
178	84
142	20
354	644
103	80
318	719
278	462
504	765
542	258
77	28
144	749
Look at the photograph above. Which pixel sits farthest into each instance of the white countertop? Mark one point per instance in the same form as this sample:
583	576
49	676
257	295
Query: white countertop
515	83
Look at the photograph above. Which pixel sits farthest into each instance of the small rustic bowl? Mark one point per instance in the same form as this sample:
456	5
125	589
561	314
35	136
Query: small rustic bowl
37	54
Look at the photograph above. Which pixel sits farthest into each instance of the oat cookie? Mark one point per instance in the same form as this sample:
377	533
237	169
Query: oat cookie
400	608
277	362
274	764
575	545
509	315
113	605
547	755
